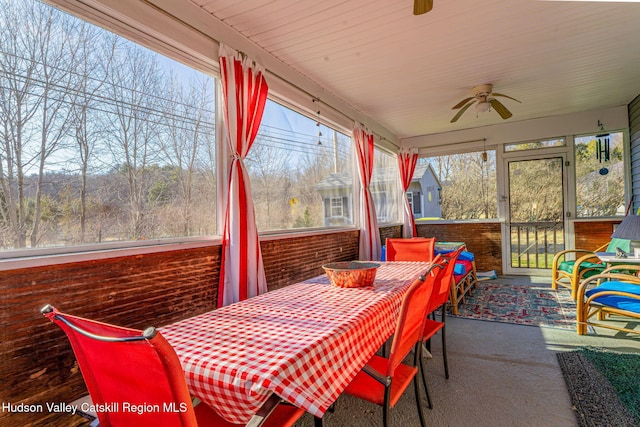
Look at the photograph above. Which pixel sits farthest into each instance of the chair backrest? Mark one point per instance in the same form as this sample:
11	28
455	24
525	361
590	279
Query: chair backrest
409	326
413	249
442	288
136	370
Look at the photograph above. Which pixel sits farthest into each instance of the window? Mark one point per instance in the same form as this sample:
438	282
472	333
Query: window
416	203
385	187
599	175
382	205
129	152
300	171
534	145
336	207
466	183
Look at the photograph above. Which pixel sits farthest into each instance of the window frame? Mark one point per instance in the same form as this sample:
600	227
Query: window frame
335	202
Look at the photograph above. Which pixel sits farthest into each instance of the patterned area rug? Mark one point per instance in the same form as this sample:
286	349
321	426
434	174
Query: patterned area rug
520	304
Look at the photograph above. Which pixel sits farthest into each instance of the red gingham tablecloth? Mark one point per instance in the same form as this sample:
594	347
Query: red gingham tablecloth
304	342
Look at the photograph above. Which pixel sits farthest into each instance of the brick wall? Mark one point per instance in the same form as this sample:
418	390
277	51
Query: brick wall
593	234
483	239
138	291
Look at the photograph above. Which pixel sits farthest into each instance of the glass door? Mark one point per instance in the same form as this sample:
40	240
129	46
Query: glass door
535	223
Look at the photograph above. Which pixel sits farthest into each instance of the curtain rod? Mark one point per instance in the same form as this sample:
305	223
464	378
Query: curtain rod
444	147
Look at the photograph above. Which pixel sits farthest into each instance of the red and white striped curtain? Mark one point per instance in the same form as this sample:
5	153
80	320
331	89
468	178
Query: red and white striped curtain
244	95
370	248
407	161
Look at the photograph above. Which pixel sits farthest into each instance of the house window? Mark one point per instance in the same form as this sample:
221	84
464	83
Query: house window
336	207
416	203
129	152
599	162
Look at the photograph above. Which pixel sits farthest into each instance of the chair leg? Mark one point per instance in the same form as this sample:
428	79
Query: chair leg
444	343
424	382
416	384
385	414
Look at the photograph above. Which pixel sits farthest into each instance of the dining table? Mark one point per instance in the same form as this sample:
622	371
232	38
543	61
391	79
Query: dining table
304	342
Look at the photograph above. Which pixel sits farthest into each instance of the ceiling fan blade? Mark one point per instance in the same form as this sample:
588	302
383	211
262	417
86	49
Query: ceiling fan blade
457	116
506	96
500	108
422	6
461	103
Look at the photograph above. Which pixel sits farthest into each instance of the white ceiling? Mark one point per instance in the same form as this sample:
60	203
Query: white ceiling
406	71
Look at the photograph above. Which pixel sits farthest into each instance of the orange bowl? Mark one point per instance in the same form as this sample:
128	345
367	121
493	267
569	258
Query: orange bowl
351	274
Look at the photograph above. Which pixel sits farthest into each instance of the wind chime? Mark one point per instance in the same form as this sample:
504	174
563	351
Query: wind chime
603	149
484	150
318	122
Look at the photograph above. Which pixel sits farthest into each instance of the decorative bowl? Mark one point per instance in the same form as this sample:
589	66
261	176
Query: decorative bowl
351	274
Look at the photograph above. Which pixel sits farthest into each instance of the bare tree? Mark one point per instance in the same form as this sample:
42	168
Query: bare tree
189	131
468	185
135	121
268	168
34	108
94	55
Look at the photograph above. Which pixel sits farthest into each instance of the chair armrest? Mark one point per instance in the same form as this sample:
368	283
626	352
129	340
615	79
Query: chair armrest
577	271
587	257
628	267
384	380
563	253
597	279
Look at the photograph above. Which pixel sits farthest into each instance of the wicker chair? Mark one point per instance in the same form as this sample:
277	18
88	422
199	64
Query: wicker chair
569	273
610	293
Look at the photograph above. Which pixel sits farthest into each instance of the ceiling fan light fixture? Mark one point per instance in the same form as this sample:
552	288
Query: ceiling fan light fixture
482	107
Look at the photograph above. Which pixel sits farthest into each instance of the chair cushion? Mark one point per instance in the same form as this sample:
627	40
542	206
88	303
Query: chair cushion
461	269
617	301
567	267
466	256
367	388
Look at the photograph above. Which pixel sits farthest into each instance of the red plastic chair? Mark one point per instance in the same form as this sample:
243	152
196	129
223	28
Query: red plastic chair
383	380
414	249
439	300
131	367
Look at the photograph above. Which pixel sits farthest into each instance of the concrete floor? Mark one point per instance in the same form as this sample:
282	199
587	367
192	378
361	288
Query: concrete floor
500	375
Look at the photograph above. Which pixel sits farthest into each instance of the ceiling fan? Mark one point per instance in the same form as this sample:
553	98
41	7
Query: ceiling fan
484	99
422	6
